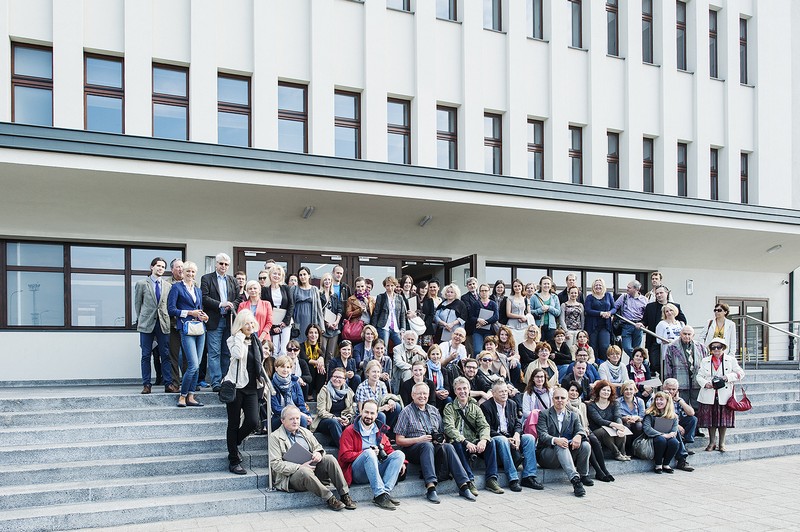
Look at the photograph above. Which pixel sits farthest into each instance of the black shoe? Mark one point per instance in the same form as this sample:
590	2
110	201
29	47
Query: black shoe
699	434
586	481
237	469
577	487
532	483
667	469
683	466
382	501
464	492
610	477
432	496
603	478
392	500
216	389
514	486
690	453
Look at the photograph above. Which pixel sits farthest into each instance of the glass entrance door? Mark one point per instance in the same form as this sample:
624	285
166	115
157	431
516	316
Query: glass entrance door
753	337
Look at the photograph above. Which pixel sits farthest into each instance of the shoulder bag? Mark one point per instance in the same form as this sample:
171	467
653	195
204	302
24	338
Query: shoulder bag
739	405
194	328
643	448
227	390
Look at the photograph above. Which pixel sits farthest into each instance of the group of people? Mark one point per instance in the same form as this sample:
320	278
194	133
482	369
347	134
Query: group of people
439	379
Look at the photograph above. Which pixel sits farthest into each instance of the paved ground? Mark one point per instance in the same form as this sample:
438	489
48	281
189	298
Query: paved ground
752	496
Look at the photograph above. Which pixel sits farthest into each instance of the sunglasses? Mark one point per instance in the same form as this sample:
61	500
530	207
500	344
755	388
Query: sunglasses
718	310
486	359
715	347
292	349
262	278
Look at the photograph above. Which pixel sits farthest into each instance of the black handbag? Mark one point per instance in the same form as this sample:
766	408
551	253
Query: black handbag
227	390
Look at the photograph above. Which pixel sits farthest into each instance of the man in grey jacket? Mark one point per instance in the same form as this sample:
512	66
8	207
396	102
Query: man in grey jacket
152	322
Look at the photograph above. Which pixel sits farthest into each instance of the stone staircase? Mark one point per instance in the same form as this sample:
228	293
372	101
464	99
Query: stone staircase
82	457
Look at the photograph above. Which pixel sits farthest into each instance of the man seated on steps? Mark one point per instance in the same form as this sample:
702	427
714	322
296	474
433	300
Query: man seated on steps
420	433
309	476
687	423
563	442
466	427
505	428
366	456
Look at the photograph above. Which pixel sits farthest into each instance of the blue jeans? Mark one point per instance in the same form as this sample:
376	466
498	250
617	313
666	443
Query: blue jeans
689	424
218	355
390	418
528	448
477	340
385	334
631	338
146	343
192	348
381	476
489	458
332	428
600	339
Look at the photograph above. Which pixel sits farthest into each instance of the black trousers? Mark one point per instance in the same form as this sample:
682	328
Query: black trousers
238	430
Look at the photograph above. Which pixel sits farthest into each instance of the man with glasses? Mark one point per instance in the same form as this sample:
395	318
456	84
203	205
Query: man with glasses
220	299
581	355
681	362
506	431
476	390
578	376
563	442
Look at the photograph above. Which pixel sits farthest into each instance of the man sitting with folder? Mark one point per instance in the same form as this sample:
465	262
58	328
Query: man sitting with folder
299	463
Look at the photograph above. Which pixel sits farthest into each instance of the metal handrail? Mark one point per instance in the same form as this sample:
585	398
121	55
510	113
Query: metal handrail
770	325
746	317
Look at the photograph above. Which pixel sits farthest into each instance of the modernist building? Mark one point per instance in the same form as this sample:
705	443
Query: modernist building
500	138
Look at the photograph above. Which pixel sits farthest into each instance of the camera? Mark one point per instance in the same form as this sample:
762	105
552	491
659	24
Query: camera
381	454
437	437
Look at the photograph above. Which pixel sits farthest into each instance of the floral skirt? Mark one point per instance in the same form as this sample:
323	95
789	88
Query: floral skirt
715	416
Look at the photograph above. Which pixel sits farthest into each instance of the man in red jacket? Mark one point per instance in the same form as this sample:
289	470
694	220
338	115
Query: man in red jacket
366	456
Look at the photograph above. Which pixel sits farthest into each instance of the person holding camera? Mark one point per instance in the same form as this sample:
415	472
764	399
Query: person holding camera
366	456
419	432
716	376
466	427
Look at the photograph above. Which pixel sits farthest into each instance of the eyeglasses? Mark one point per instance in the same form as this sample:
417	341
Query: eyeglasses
262	278
293	349
718	310
223	263
715	347
486	359
337	377
471	367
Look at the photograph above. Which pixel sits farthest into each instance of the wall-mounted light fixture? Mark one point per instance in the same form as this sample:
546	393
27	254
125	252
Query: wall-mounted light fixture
424	220
773	249
308	211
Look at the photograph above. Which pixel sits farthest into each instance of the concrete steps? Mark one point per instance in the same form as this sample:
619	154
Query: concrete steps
83	457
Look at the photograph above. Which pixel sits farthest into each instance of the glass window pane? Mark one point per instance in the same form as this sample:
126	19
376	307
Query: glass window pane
35	298
169	81
530	275
170	121
232	90
234	129
491	127
536	165
647	41
291	99
98	300
396	4
576	138
445	120
33	106
612	34
98	257
141	258
502	273
377	273
346	142
345	106
576	24
491	159
21	254
103	114
560	278
33	62
623	279
291	136
398	145
446	154
396	113
104	72
444	10
576	170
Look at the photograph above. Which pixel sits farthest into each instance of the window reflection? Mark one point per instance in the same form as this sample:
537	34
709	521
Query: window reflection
97	257
35	299
22	254
98	300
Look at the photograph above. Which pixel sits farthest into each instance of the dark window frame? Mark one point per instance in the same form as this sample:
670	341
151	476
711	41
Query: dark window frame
239	109
648	166
744	178
537	14
296	116
743	63
102	90
683	170
576	153
680	26
647	24
497	15
713	173
452	8
495	142
576	43
537	148
170	99
351	123
450	136
399	129
612	12
612	158
30	81
405	7
67	270
713	45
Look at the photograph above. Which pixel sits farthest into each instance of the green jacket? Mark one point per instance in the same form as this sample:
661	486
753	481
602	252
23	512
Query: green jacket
474	429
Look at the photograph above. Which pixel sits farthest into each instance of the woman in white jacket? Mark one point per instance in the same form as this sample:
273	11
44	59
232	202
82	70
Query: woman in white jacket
720	327
245	370
714	413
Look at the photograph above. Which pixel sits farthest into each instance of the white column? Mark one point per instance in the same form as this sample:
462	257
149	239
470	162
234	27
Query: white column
264	88
320	94
470	119
557	136
138	65
68	64
203	72
423	108
373	100
515	129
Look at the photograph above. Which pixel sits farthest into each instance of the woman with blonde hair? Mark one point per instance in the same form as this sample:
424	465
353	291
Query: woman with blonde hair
451	313
668	328
279	295
599	307
665	439
332	314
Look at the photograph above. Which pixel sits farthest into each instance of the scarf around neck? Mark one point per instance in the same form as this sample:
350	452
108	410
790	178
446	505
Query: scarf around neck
435	369
336	395
283	386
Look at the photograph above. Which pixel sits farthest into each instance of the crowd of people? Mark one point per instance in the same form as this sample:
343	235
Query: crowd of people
423	374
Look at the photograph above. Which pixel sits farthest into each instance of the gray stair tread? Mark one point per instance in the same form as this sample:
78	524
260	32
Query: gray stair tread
109	443
128	504
153	423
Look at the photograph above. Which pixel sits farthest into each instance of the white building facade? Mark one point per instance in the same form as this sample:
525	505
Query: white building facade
608	138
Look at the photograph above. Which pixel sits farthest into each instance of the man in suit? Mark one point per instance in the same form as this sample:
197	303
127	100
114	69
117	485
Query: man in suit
652	315
571	281
152	322
470	298
219	298
563	442
506	431
176	267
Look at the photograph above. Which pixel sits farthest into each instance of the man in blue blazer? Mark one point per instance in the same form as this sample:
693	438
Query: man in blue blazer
219	302
152	322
